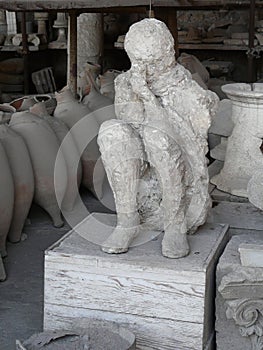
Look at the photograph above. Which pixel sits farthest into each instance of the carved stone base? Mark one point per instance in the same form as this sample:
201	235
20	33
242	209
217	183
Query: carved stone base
239	300
167	303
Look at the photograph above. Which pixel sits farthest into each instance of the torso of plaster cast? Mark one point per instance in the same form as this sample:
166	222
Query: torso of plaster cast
161	138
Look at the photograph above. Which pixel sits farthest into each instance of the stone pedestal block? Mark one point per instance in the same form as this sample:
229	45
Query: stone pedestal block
167	303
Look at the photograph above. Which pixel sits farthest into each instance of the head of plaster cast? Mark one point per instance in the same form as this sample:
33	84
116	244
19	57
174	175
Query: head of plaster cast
150	46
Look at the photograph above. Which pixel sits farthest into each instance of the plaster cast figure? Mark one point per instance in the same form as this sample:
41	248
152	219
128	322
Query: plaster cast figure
154	152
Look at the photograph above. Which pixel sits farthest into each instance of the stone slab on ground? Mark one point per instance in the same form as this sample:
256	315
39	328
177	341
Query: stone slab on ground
214	168
167	303
213	140
219	151
221	196
222	123
237	215
239	300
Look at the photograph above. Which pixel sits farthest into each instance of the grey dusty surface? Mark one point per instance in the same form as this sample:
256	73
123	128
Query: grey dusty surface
95	338
21	295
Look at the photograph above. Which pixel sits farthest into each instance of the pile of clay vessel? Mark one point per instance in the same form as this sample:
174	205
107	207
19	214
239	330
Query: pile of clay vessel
47	150
229	27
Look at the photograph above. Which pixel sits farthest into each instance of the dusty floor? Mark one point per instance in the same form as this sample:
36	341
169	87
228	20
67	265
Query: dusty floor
21	295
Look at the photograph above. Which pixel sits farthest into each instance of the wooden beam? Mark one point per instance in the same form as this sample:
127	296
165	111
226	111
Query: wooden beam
108	5
25	53
251	59
73	52
172	25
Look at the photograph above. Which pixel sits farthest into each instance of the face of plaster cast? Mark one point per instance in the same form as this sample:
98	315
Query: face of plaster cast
150	47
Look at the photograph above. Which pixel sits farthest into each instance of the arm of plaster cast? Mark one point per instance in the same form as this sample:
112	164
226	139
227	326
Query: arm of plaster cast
152	107
127	105
201	107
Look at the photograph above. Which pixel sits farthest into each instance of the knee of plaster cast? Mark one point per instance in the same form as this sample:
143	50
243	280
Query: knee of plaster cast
156	139
119	137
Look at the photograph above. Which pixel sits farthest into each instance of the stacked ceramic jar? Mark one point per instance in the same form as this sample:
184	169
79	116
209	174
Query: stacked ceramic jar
46	150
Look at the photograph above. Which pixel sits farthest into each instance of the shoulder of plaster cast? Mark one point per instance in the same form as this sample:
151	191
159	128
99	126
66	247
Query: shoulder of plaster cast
122	79
182	72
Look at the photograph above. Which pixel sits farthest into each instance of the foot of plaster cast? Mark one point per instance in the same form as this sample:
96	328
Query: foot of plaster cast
120	239
175	246
3	253
192	230
58	222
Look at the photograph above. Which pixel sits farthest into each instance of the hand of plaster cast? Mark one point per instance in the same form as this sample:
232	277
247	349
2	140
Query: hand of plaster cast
127	106
139	84
152	108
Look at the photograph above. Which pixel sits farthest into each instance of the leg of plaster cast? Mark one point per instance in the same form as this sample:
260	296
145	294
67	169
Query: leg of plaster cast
165	155
122	155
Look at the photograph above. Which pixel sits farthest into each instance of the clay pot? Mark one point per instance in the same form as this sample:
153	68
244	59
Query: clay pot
68	108
84	129
70	153
43	147
192	63
50	102
95	101
23	103
42	98
102	106
5	107
23	178
106	83
6	112
6	199
88	77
